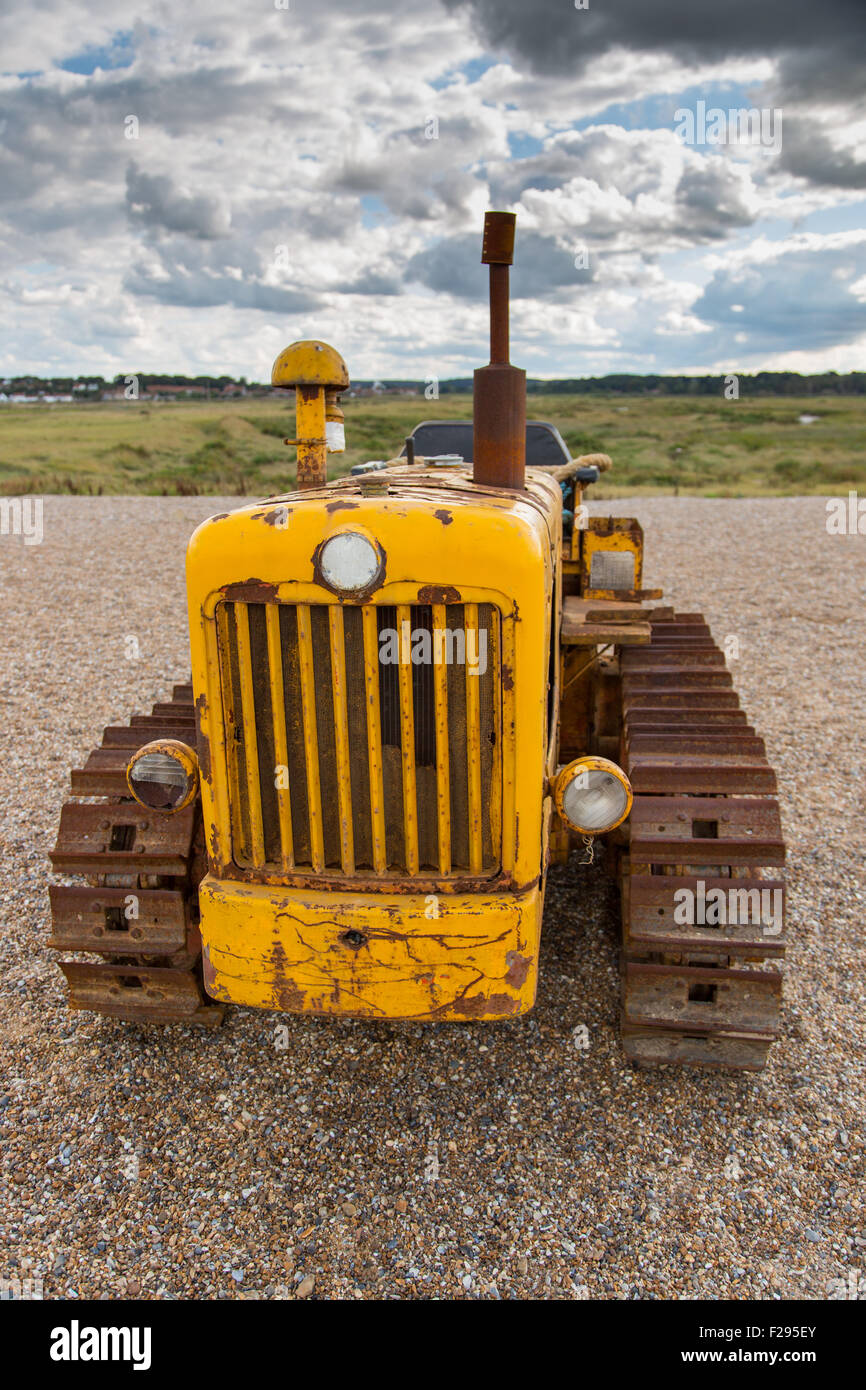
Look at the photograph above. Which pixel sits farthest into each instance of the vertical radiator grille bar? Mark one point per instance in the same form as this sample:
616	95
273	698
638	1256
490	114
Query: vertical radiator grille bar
440	691
374	738
281	743
251	751
341	737
407	743
473	736
233	730
495	781
311	740
509	807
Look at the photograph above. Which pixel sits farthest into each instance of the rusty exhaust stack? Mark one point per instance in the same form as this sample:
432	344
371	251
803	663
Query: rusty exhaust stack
499	400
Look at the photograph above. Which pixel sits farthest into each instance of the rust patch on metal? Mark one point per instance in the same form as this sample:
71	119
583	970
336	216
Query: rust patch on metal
507	677
289	996
341	506
438	593
201	740
444	516
279	517
501	882
250	591
220	516
518	968
213	852
479	1004
208	972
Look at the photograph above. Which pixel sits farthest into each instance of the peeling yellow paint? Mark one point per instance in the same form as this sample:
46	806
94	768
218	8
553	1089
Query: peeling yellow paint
371	955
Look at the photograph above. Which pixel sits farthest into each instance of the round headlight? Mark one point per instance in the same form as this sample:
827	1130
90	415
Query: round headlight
592	795
163	775
349	563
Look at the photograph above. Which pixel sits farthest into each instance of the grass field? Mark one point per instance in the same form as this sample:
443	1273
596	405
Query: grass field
751	447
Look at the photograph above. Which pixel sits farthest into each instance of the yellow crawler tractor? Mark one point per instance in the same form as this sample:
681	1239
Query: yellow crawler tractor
412	688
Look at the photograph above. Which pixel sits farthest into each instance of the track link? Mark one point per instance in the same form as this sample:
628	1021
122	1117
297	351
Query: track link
136	902
705	819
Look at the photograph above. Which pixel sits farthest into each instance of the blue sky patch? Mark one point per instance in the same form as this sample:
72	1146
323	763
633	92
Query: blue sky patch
119	53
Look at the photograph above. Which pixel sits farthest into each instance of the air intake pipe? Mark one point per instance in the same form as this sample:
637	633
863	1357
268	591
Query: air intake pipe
499	400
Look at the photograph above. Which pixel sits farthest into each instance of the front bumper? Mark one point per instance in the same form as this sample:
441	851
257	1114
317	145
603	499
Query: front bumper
371	955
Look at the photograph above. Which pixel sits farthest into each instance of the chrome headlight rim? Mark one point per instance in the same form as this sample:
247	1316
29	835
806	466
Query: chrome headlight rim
590	763
368	581
188	774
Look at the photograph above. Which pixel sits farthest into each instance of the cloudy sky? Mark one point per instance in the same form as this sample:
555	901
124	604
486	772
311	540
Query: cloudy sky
189	187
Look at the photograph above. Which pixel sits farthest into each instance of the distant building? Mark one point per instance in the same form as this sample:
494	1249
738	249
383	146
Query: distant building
378	388
159	392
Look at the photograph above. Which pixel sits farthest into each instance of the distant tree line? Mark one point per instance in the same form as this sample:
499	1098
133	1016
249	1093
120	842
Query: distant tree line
64	385
623	383
616	383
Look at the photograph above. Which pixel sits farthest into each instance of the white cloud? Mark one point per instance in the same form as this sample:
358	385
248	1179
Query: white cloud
306	130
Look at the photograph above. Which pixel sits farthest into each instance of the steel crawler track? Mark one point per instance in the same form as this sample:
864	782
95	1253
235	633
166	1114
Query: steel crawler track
705	819
135	903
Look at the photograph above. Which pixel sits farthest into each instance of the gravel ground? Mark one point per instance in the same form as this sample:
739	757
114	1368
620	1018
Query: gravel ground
468	1161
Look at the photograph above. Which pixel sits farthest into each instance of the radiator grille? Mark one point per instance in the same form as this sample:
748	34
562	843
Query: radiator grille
344	757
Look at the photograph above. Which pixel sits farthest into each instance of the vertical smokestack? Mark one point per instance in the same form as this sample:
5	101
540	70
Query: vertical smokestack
499	406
